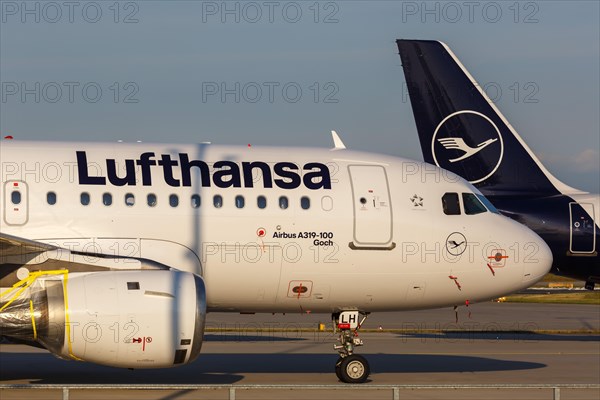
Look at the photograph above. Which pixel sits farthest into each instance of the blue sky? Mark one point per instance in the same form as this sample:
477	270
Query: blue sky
286	73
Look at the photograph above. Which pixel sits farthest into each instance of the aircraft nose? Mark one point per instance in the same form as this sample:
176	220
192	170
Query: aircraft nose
537	259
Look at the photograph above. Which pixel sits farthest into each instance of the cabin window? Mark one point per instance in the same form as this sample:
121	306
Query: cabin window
51	198
129	199
107	199
15	197
305	203
173	200
85	198
195	201
239	201
261	202
472	204
218	201
151	200
450	204
283	202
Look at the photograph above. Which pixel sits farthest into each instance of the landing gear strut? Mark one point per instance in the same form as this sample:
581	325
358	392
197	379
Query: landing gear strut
350	367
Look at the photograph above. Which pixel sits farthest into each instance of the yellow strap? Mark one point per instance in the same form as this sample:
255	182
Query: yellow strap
33	276
14	297
67	322
25	283
32	319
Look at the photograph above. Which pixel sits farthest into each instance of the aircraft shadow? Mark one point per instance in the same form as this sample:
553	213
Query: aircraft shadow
44	368
214	368
380	363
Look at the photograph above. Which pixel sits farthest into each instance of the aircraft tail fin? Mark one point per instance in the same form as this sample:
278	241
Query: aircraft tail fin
461	129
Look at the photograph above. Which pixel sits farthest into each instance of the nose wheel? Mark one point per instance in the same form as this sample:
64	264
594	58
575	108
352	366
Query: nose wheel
350	367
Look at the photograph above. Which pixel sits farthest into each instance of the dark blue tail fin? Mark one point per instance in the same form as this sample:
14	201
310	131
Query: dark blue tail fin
461	130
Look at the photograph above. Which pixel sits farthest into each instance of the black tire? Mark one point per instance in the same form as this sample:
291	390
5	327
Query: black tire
354	369
338	368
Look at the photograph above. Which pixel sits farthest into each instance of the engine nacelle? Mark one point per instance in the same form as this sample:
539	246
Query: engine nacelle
132	319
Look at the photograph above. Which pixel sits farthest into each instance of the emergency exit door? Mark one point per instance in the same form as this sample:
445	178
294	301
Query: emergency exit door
372	207
16	203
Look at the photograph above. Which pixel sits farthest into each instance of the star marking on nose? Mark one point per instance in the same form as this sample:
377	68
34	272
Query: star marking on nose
417	201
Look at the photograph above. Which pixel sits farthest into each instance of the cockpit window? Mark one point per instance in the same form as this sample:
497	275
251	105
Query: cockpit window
487	203
472	204
450	204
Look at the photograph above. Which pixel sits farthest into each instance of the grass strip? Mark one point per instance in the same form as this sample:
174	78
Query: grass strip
587	297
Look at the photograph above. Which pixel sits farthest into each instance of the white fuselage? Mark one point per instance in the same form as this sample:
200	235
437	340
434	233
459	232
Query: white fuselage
374	236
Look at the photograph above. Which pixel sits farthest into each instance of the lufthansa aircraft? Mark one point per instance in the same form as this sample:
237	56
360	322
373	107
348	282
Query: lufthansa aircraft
460	129
114	253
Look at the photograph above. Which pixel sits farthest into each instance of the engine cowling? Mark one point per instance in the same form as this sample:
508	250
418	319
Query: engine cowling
131	319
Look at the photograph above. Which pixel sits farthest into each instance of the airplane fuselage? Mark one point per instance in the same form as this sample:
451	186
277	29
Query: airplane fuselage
269	229
566	223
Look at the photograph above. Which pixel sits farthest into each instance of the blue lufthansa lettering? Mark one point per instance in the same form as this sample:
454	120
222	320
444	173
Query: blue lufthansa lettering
82	169
225	173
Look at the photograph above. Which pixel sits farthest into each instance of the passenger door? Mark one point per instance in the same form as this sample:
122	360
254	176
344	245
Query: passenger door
372	207
582	230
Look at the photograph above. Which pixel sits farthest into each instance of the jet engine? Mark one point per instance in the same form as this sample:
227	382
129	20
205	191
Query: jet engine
131	319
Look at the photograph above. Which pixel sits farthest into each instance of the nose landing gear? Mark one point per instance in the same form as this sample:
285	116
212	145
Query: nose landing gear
350	367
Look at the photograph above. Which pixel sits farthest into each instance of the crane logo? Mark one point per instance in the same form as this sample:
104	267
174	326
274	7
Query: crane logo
469	144
456	243
459	144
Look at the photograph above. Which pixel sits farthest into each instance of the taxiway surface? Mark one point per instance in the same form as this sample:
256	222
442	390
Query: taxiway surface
471	356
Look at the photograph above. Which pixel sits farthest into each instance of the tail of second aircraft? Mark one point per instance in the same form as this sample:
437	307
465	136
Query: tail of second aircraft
461	130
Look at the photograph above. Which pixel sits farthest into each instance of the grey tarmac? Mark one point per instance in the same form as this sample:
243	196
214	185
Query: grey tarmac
467	357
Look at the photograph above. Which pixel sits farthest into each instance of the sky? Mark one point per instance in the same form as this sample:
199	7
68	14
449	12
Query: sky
285	73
